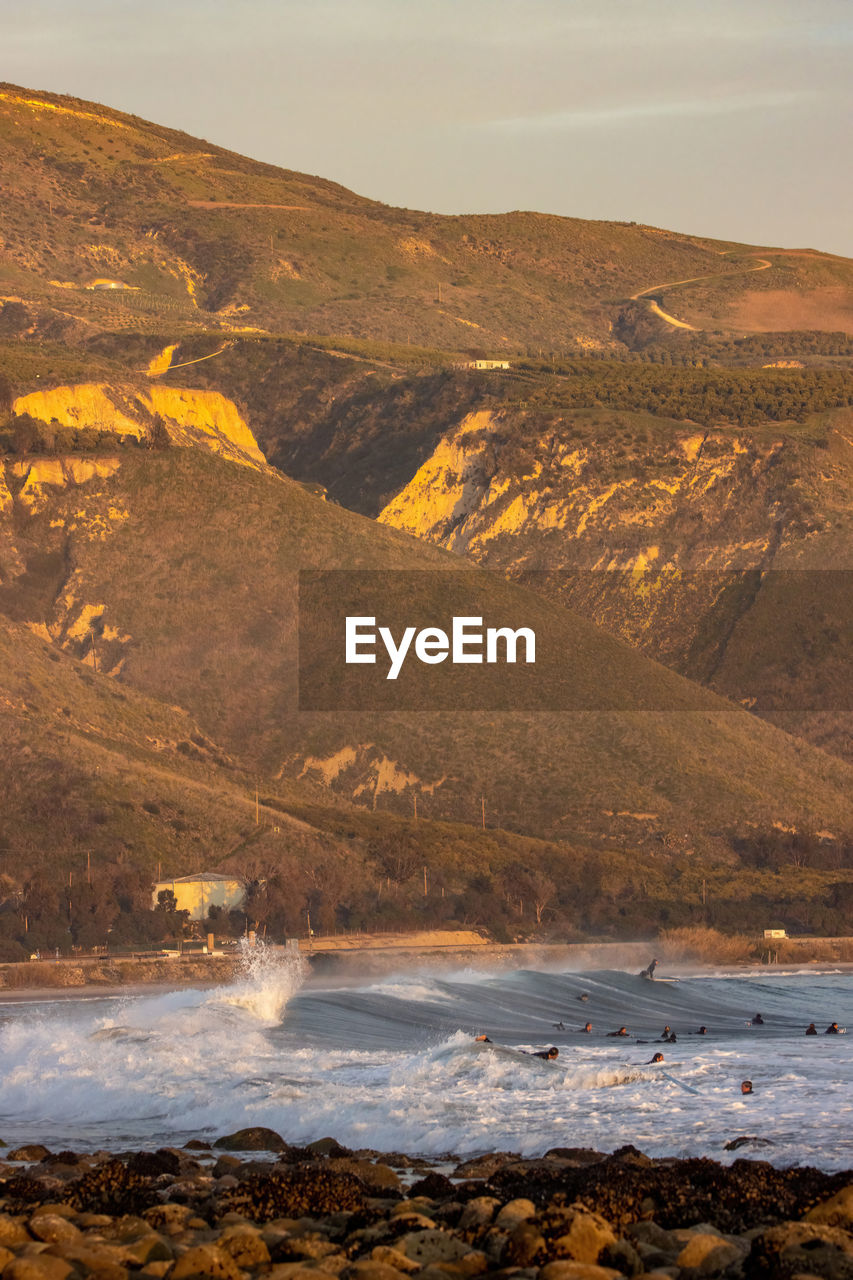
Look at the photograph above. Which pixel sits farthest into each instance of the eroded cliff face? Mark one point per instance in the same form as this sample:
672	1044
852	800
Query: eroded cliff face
188	417
491	490
50	506
704	548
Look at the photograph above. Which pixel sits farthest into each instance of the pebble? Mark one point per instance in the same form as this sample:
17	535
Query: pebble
164	1216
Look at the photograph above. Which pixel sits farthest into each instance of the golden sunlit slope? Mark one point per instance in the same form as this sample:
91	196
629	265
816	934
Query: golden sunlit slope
110	221
176	572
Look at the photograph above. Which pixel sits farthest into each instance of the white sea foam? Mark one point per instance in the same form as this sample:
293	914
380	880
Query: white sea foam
395	1065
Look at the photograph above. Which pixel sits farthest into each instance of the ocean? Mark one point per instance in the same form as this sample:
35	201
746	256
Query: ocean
392	1063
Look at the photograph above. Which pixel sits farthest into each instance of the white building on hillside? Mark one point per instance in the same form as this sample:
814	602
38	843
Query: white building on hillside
197	894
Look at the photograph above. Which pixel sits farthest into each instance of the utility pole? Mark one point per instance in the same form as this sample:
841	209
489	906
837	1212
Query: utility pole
88	868
425	882
415	802
257	808
483	809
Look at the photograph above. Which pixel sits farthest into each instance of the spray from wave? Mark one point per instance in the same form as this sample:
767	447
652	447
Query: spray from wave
270	979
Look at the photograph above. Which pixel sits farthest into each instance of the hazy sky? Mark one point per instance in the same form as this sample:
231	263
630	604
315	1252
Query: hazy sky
720	117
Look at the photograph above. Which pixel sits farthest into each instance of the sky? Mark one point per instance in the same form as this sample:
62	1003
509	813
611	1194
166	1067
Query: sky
725	118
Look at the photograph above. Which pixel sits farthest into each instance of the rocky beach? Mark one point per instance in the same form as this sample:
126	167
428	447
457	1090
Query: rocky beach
251	1206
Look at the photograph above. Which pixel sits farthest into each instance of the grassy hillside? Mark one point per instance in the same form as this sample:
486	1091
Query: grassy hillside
194	233
92	767
684	483
105	788
181	581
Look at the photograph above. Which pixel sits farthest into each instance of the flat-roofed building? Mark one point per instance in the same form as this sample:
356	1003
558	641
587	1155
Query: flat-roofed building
197	894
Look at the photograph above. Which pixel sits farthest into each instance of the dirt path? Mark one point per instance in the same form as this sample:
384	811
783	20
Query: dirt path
664	315
763	264
233	204
163	362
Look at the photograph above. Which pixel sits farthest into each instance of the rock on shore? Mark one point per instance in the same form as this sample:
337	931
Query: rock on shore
253	1207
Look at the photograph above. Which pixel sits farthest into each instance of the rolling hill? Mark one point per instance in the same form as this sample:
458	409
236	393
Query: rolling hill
175	571
196	350
109	221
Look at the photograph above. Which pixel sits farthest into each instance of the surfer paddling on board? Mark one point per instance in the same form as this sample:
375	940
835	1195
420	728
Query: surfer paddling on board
549	1054
832	1030
649	971
658	1057
623	1031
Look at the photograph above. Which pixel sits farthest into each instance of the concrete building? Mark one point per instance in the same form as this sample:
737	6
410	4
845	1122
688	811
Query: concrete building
197	894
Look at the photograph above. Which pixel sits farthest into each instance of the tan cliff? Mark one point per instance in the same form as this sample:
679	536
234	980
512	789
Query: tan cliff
471	494
190	417
718	551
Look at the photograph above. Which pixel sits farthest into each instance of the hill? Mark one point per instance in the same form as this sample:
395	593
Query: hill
718	500
180	325
176	571
109	221
157	593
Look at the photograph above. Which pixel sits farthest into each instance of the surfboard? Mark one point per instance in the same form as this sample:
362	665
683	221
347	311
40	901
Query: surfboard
688	1088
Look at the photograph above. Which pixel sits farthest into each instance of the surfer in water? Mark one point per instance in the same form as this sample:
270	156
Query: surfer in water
482	1040
811	1029
558	1026
649	971
666	1033
758	1021
623	1031
746	1086
587	1028
658	1057
583	996
548	1054
832	1030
